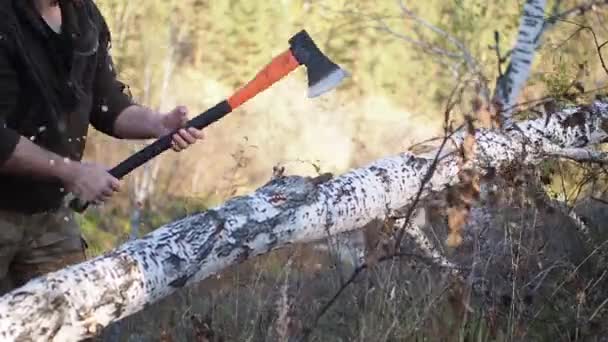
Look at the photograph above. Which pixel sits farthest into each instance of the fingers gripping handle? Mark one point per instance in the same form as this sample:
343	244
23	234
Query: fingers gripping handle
157	147
164	143
278	68
78	205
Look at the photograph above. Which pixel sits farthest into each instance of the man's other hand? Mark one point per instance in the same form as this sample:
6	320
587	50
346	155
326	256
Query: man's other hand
91	182
174	120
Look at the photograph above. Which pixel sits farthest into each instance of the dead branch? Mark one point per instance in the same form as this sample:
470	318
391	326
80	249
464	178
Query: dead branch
598	46
581	155
307	331
579	10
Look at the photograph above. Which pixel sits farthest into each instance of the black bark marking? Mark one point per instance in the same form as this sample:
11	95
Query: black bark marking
604	127
322	178
204	250
575	120
421	164
382	174
175	260
244	254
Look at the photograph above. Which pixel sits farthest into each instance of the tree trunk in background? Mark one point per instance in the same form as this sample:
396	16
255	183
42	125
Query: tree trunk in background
79	301
531	26
144	184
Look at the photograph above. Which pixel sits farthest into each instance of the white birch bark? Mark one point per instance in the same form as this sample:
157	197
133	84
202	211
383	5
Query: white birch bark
78	301
531	27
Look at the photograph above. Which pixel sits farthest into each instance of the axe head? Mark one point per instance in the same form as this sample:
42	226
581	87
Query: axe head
323	74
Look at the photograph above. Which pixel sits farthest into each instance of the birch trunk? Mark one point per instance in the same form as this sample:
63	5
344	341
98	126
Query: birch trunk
79	301
531	26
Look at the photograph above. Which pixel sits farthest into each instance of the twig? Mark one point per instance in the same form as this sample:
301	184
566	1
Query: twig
306	332
433	50
598	46
598	310
499	57
401	231
460	46
549	98
595	250
465	53
555	15
431	170
599	200
578	10
581	155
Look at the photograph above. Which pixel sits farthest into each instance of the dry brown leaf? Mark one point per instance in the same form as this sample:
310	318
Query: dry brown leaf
165	336
457	217
468	147
486	119
202	329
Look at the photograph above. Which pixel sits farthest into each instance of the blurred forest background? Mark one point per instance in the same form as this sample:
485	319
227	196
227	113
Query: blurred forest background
197	52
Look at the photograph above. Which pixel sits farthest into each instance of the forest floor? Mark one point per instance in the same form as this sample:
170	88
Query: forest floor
533	276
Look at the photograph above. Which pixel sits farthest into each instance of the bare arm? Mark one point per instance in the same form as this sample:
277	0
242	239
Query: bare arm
90	182
30	159
116	114
138	122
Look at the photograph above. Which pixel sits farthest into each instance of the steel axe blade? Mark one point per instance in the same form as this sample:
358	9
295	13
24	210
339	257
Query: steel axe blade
323	75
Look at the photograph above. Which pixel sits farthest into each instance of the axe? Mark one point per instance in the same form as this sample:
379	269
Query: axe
323	75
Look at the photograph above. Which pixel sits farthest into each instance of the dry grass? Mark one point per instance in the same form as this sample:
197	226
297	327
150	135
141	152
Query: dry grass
531	277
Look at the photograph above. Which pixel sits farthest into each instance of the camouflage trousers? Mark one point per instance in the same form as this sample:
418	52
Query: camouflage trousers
33	245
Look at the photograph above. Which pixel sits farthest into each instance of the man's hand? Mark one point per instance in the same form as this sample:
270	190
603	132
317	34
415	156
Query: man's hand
174	120
140	122
90	182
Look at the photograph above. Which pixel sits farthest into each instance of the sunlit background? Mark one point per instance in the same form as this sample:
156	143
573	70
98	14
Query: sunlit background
197	53
404	58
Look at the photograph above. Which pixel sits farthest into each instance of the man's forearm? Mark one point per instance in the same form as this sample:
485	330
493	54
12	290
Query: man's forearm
138	122
29	159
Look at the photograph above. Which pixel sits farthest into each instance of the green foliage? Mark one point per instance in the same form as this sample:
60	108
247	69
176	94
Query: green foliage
558	80
224	43
231	40
166	210
98	240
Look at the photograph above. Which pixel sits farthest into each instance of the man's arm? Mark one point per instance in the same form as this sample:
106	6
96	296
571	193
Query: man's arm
116	114
90	182
138	122
110	96
114	111
18	155
29	159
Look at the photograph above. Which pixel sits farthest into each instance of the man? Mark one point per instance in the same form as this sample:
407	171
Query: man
56	78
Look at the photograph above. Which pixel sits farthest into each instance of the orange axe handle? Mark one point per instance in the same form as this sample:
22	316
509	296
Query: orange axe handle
278	68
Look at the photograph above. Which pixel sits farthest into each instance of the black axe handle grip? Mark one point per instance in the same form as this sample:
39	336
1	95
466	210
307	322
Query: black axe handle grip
159	146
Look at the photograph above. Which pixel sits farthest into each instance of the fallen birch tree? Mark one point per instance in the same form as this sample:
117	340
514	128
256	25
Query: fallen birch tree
79	301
